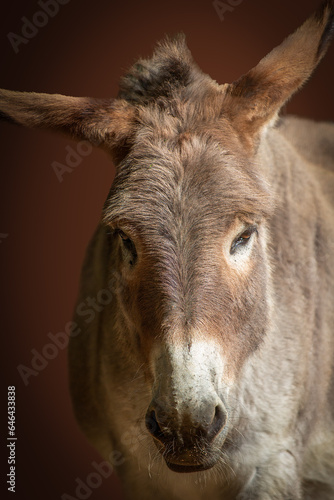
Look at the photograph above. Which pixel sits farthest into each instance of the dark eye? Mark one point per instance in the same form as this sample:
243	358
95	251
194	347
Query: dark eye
243	239
129	247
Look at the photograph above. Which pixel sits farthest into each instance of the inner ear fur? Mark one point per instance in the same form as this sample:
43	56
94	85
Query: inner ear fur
106	123
255	99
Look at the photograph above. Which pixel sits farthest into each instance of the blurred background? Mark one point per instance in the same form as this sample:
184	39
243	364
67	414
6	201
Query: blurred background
45	224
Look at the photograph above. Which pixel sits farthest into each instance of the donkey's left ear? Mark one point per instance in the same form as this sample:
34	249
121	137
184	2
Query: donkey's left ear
254	100
105	123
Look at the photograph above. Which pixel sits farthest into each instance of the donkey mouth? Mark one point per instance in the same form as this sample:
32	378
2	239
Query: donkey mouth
185	452
175	467
190	460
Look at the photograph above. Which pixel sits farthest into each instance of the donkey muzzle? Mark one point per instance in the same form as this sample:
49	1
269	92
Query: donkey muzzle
187	417
187	440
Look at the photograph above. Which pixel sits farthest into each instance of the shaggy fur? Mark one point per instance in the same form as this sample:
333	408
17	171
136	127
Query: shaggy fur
206	299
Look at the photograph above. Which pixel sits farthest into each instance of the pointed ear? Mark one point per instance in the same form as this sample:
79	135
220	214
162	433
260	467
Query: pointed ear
108	124
254	100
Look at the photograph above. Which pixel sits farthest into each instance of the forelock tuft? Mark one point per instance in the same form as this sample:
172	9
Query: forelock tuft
170	69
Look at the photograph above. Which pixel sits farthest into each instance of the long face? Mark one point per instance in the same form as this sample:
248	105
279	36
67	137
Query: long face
188	215
188	219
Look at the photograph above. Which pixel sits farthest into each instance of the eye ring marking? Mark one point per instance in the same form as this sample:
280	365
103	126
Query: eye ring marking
243	239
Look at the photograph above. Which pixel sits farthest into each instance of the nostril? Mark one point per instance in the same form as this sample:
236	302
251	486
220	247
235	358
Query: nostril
206	424
218	422
152	425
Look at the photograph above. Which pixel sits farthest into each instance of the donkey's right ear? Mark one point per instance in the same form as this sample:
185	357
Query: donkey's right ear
106	123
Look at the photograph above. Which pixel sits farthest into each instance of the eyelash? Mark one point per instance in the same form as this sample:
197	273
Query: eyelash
243	239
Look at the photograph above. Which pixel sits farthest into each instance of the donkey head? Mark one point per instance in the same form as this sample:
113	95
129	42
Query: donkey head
188	210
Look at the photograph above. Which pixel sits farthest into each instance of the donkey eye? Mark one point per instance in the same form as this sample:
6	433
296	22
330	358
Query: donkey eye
243	239
129	247
123	236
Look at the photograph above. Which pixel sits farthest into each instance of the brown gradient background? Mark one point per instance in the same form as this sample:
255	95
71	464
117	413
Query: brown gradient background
83	51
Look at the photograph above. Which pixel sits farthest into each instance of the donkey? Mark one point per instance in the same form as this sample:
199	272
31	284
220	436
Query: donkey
209	350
